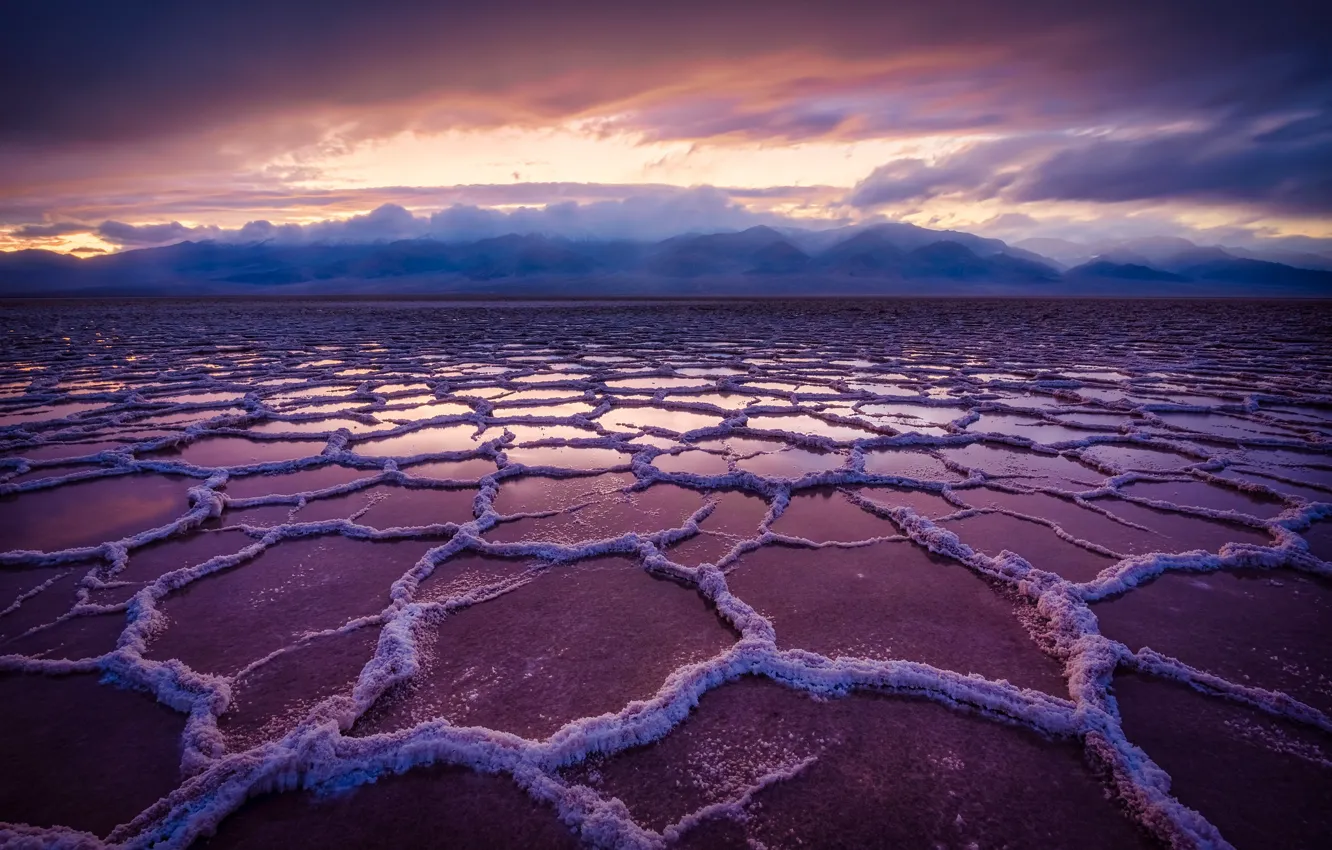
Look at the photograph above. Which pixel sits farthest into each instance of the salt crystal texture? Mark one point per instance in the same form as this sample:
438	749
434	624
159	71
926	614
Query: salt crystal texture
919	573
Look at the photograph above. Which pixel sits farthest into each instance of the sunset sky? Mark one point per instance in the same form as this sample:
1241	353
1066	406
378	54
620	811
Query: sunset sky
132	124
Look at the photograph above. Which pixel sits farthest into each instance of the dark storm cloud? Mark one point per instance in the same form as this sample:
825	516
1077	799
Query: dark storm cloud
1287	170
977	172
1274	166
91	71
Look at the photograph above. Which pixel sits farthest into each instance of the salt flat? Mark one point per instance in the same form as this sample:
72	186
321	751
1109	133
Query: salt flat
797	574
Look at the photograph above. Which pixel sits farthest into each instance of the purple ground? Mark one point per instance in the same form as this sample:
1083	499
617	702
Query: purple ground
953	574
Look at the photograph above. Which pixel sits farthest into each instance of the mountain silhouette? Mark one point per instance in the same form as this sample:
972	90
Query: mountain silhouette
888	258
1123	271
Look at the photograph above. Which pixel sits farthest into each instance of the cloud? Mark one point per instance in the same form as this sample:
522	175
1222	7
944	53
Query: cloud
659	215
95	72
1287	169
138	236
1018	227
1280	165
181	114
648	216
226	205
45	231
626	211
977	171
911	179
186	89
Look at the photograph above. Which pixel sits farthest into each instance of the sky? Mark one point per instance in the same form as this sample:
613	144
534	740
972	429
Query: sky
126	125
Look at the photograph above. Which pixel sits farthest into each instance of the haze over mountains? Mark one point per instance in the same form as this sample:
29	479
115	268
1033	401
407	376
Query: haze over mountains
881	259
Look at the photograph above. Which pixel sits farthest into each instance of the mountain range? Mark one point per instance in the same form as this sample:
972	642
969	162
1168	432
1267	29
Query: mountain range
882	259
